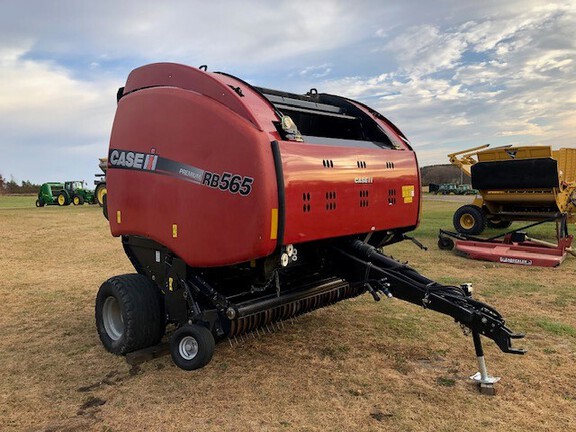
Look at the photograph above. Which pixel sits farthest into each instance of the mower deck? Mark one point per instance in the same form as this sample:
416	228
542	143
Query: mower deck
525	253
513	247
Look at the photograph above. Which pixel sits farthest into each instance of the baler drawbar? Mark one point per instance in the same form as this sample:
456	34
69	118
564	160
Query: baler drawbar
240	207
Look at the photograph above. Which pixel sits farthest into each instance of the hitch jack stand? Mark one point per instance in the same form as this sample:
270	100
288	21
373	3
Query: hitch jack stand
485	382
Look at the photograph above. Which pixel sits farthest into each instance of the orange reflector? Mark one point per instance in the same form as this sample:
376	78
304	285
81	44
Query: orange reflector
174	231
274	224
119	217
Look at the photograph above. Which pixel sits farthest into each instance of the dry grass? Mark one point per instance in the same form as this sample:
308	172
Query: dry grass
355	366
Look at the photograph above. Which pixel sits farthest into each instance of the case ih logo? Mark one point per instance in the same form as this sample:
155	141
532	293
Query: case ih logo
226	181
511	153
128	159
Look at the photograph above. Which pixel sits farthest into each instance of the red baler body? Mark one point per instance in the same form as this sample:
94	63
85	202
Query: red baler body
196	172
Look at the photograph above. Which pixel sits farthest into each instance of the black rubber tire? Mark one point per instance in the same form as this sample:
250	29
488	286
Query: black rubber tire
141	307
445	243
205	346
99	194
80	200
472	214
502	224
39	203
64	201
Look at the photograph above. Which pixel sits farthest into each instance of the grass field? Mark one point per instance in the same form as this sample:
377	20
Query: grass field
358	365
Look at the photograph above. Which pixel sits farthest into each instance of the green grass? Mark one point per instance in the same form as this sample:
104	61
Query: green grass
357	362
17	201
556	328
438	215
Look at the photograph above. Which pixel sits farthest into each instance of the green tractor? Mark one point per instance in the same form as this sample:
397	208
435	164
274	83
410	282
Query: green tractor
64	194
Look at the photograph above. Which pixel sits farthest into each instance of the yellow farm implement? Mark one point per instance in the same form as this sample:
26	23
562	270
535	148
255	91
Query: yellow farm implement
532	183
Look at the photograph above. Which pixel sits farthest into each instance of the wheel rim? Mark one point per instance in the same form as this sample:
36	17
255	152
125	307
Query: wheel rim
101	194
112	318
76	200
467	221
61	200
188	347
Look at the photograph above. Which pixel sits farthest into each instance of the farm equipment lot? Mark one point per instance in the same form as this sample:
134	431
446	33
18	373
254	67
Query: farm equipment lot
357	365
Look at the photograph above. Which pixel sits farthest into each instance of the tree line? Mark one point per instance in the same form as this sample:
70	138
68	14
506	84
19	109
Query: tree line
12	187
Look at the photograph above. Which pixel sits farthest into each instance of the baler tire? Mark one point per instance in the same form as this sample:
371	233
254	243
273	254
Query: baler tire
192	347
129	313
39	203
469	219
501	224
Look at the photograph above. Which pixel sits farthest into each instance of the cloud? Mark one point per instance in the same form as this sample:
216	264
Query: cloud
46	116
253	32
450	74
491	80
316	71
425	49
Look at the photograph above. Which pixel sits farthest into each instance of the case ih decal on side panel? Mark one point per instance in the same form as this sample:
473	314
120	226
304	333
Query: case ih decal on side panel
226	181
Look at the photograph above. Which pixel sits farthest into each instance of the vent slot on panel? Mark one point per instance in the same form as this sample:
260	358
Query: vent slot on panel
327	163
306	202
392	193
330	201
363	198
361	164
390	165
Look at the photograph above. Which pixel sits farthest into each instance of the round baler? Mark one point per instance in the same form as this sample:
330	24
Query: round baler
241	206
529	183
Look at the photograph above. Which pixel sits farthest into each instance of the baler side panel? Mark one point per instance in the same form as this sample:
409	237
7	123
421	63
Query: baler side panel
338	191
191	135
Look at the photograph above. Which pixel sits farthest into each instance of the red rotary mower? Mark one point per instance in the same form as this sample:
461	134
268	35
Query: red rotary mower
242	206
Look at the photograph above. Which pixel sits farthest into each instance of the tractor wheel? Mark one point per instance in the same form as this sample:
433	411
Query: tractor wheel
192	347
445	243
469	219
129	313
100	192
78	200
498	224
39	203
63	199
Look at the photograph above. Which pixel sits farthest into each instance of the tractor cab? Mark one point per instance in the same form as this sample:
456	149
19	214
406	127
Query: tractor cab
73	186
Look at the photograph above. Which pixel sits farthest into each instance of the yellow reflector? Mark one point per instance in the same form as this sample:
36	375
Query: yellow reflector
174	231
119	217
408	193
274	224
170	282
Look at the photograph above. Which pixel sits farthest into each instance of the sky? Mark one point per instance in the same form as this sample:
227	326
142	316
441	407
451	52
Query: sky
451	74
